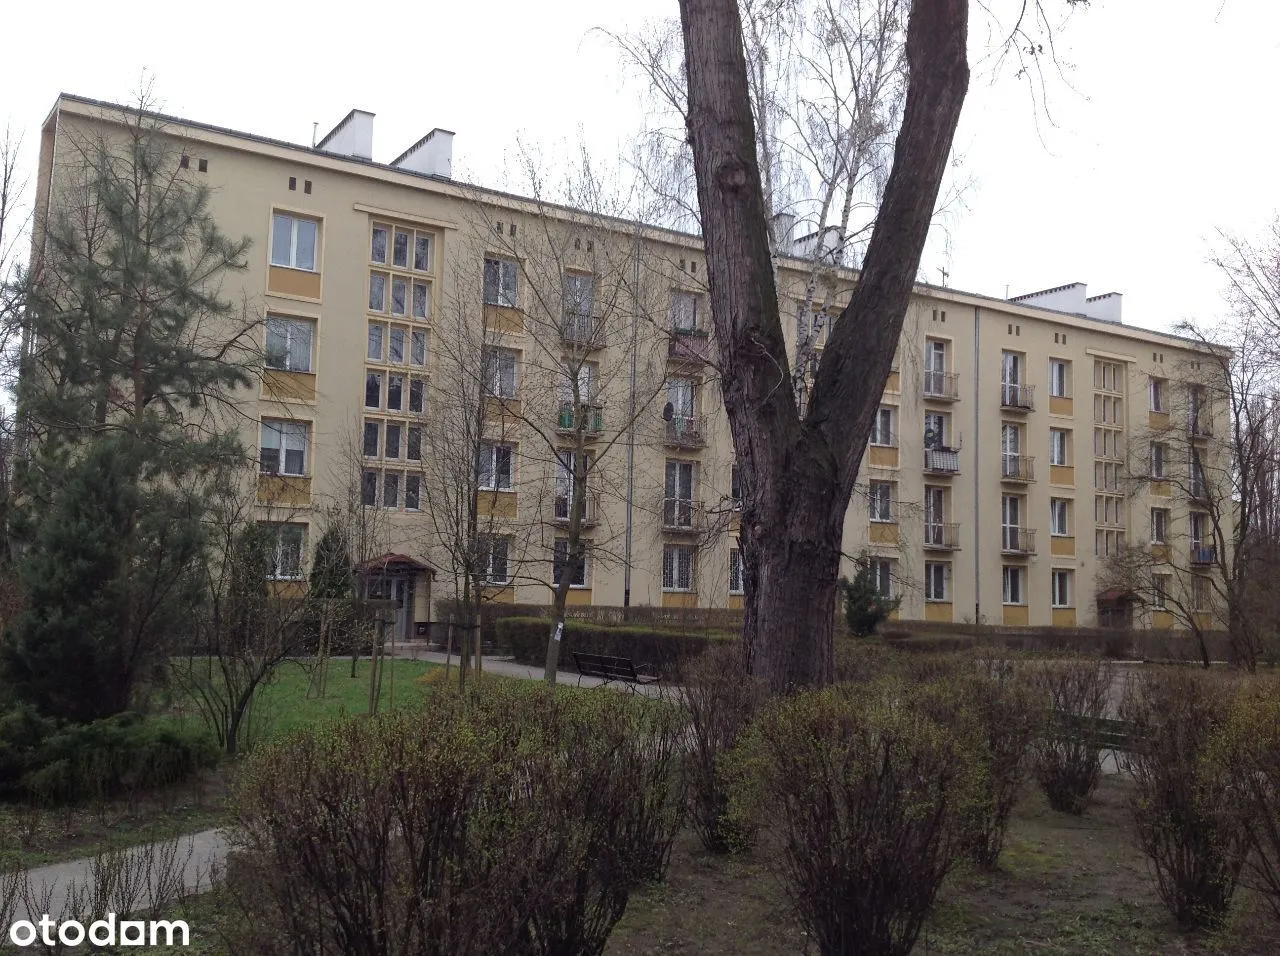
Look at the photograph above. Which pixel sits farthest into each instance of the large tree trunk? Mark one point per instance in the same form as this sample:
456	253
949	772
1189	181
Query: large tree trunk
799	473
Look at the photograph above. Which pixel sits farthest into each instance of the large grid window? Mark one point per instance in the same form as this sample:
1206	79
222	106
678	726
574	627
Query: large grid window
406	292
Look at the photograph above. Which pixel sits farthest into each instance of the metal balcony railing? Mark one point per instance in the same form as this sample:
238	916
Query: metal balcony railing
942	461
682	515
1199	425
591	420
1017	467
1201	556
686	431
1015	396
941	386
590	514
581	331
940	536
689	345
1017	540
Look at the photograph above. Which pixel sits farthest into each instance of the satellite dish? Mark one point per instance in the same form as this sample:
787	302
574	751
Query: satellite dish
668	412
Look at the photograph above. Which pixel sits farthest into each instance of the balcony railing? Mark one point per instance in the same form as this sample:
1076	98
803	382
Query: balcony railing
1201	556
1017	540
686	432
591	420
1020	397
941	386
939	536
1199	425
1017	468
942	461
689	345
581	331
590	513
682	515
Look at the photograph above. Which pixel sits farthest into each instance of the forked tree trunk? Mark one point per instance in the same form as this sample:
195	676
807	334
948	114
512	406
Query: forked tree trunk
798	473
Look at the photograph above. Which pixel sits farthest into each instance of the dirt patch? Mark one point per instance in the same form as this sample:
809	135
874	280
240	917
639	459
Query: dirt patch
1066	885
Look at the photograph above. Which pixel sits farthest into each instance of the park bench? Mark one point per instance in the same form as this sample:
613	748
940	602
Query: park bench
1105	733
611	669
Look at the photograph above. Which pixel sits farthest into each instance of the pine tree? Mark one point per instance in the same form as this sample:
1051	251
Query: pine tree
864	606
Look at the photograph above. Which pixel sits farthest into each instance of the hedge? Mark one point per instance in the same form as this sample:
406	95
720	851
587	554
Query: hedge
525	638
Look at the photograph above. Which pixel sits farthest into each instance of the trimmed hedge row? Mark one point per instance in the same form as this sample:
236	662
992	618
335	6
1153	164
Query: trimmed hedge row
525	638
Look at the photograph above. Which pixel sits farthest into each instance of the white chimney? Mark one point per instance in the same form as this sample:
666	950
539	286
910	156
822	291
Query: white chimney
784	230
1105	307
432	155
352	137
1063	298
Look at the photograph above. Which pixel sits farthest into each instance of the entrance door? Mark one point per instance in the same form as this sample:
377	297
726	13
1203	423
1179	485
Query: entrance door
404	608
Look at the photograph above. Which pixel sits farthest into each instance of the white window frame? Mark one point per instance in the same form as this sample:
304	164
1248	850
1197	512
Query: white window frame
1059	378
937	575
684	311
505	290
1014	585
374	428
378	333
376	228
557	562
293	330
884	430
488	564
1160	586
410	479
490	477
735	571
281	570
1060	517
1156	394
501	372
679	563
1060	587
279	219
1159	459
1059	447
880	500
1160	528
287	436
882	574
944	426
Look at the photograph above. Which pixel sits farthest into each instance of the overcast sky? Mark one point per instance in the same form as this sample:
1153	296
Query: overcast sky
1163	131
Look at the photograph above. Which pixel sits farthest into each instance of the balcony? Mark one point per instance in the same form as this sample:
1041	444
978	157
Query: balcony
942	461
941	386
686	432
1021	398
683	516
1017	468
1199	425
689	345
1017	540
941	537
583	332
1202	556
1197	490
590	516
591	421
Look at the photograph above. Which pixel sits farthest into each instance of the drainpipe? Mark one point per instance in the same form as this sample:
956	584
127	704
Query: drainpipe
631	420
977	463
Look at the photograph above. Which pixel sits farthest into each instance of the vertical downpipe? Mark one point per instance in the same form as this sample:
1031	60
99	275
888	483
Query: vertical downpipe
977	463
631	420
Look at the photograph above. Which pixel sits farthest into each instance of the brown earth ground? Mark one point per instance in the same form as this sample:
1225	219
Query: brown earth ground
1065	885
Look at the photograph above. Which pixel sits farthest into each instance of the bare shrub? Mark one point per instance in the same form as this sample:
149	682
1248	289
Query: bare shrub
721	700
1248	753
872	795
1185	808
1065	757
506	819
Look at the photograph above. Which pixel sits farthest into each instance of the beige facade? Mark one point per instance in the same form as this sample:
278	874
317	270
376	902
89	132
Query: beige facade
1001	473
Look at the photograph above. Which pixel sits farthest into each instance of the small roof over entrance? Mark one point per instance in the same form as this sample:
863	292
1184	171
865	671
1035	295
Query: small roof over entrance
392	563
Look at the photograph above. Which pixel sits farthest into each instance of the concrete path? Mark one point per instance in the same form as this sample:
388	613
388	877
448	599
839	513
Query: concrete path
160	870
506	667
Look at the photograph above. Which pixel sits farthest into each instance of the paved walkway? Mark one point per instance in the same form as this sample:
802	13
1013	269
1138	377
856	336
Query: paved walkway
506	667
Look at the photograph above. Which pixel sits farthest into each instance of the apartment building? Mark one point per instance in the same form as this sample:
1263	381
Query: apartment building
1020	444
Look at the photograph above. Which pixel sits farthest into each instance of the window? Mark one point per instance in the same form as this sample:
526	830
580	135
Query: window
286	551
1159	525
284	447
1108	376
1011	448
1159	455
1160	587
369	487
412	492
1058	446
500	372
1011	378
378	246
1198	526
500	282
735	487
293	242
422	253
1157	392
1060	586
677	567
1059	524
735	571
495	466
413	443
566	468
1198	488
492	552
579	299
421	301
391	489
1059	378
935	429
289	343
372	439
677	505
935	505
418	348
684	311
399	295
395	393
880	495
416	392
373	390
680	394
393	440
882	430
1011	523
882	576
377	341
400	250
935	581
1013	585
1199	593
560	560
377	292
396	351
